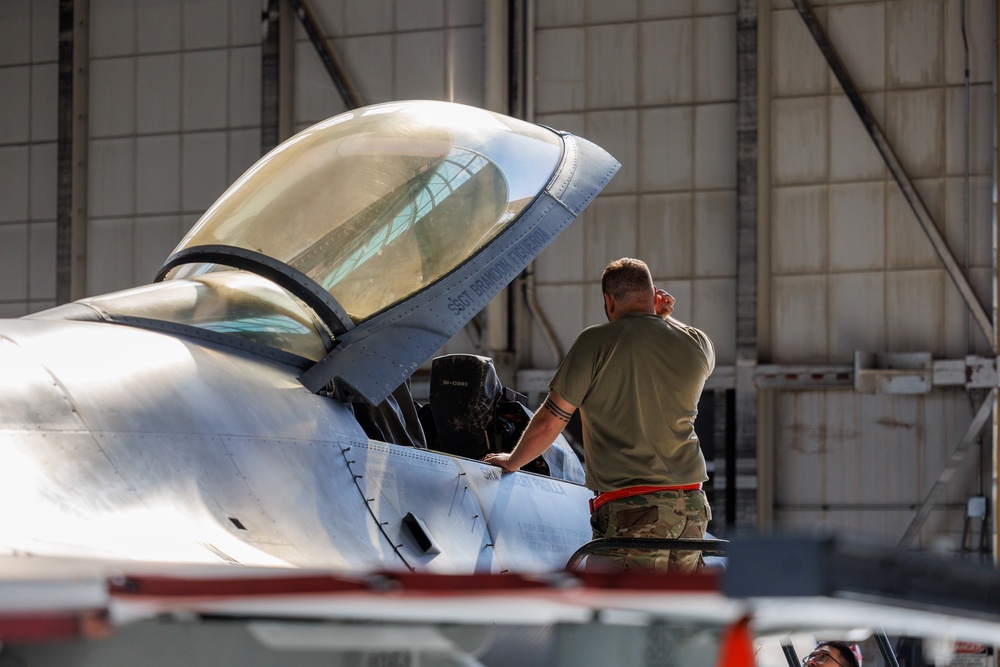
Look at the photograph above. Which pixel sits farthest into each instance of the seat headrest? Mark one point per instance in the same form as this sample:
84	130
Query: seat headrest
464	389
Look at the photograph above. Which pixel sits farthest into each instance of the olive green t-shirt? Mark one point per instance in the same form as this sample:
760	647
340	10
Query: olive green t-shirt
636	382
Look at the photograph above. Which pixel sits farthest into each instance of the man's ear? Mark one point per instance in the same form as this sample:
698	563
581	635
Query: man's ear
609	304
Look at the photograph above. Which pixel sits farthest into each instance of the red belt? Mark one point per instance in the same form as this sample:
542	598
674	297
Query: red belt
608	496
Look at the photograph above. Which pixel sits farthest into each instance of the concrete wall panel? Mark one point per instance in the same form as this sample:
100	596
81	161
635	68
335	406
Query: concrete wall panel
42	187
44	122
617	131
913	311
14	161
611	232
111	184
714	146
15	114
367	58
797	68
858	226
561	70
713	307
565	307
666	234
158	184
14	273
612	51
421	14
419	65
112	98
800	143
205	79
599	11
204	175
800	319
915	43
903	442
715	234
666	65
559	13
205	24
158	93
41	262
112	28
15	32
158	27
715	58
859	32
853	155
800	221
666	152
915	127
858	299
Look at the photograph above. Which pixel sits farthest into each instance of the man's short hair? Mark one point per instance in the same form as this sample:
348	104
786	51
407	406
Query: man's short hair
845	650
626	278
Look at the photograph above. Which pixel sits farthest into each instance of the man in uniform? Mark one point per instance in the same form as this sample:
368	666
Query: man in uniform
636	380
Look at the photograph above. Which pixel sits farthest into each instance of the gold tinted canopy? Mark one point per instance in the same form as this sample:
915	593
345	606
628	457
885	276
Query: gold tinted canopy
375	204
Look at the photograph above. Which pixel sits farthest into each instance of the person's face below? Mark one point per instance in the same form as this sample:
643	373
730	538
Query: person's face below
825	656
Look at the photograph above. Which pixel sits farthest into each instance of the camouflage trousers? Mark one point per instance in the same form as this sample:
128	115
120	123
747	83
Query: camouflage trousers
664	514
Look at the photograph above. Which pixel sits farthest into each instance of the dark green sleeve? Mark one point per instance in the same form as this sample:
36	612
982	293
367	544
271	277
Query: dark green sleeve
576	373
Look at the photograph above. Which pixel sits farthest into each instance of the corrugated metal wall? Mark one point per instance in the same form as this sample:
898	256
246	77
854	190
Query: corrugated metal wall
849	268
175	116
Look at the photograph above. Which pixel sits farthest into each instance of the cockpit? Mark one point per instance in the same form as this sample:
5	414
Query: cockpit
354	250
346	219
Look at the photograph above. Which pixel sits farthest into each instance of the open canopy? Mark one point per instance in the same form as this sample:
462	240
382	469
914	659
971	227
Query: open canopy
356	248
377	204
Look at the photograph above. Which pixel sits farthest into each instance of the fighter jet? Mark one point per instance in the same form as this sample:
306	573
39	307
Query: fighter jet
251	406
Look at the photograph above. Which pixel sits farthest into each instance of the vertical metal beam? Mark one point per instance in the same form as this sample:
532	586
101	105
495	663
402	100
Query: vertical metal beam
495	37
73	135
746	261
276	74
909	191
270	76
499	312
517	75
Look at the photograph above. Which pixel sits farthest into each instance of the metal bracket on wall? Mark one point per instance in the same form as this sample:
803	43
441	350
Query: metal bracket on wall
886	373
893	373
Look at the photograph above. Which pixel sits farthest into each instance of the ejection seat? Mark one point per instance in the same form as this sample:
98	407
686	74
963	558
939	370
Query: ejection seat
471	413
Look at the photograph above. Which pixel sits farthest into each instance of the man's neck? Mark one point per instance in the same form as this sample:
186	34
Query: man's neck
635	309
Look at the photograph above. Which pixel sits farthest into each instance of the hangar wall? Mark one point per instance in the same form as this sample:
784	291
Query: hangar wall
28	81
175	116
849	269
656	88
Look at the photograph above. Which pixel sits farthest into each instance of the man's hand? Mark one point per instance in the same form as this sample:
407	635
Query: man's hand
663	303
544	427
501	460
